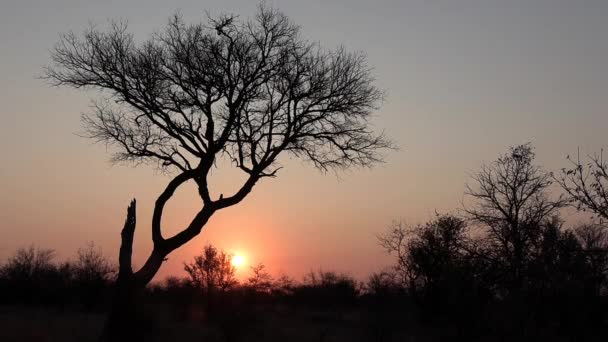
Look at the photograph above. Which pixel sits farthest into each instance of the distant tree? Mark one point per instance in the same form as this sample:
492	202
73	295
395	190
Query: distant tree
193	95
510	203
30	275
436	251
91	266
260	280
593	239
557	263
395	241
212	271
429	254
29	263
283	285
383	284
592	236
586	183
91	275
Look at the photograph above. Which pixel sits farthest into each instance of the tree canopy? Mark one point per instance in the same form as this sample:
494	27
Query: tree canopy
246	90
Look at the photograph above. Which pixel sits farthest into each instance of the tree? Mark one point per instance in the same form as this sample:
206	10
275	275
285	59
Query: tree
511	205
91	273
29	263
427	254
212	271
91	266
395	241
260	280
587	184
194	94
30	275
436	251
594	243
383	284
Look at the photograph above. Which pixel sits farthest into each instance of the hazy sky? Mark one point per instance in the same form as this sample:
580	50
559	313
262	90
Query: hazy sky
465	80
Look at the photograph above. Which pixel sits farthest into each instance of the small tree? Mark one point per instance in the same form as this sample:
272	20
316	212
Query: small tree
91	275
29	263
212	271
436	250
31	275
260	280
91	266
587	184
427	254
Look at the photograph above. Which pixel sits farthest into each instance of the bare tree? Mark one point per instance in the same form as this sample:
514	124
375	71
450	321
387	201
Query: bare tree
29	263
587	184
91	266
395	241
510	203
212	270
426	253
245	90
260	280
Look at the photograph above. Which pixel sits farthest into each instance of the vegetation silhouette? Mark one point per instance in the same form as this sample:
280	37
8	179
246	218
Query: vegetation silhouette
587	184
193	95
194	98
506	268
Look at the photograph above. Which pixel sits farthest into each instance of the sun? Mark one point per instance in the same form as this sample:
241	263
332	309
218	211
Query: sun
238	261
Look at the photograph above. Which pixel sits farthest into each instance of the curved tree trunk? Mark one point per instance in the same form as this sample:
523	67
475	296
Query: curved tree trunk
122	321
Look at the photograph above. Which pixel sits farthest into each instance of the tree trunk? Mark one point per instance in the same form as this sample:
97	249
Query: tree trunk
123	322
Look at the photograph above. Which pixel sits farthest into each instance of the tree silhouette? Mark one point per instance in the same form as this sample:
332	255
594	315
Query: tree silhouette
395	241
510	204
30	275
212	270
91	273
260	280
431	257
28	262
594	244
436	250
91	266
587	184
193	94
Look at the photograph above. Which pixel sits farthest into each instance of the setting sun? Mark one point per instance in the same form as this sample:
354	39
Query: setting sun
238	261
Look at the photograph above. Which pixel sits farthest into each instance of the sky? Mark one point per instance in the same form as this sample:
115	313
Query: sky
465	80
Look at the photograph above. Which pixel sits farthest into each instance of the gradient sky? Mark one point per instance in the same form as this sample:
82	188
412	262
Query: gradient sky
465	80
